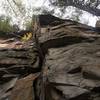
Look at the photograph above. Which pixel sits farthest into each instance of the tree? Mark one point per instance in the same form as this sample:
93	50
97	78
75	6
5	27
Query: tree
91	6
17	10
5	25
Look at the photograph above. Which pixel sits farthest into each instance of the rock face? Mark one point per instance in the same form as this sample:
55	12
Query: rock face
23	89
16	63
63	65
74	70
71	61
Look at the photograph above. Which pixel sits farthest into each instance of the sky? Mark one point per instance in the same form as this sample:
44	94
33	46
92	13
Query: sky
85	18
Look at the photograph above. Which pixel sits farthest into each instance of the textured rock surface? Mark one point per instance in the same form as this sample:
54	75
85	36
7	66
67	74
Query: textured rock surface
74	69
16	63
68	59
23	89
72	62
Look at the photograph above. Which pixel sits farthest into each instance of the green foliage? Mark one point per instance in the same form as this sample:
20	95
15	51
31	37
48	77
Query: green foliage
5	25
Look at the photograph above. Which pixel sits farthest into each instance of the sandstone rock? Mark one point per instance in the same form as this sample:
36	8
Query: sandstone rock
67	57
23	89
15	64
75	65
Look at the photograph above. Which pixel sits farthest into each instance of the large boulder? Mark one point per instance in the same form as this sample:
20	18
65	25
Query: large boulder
67	56
71	62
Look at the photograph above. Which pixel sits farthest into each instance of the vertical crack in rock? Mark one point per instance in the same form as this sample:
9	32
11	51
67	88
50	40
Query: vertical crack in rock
62	62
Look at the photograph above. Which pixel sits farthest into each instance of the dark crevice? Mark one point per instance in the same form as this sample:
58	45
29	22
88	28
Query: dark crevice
76	70
6	65
36	89
64	41
96	90
63	84
85	96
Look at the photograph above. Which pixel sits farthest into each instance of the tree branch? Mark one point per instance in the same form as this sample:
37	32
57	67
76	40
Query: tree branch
81	5
87	8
